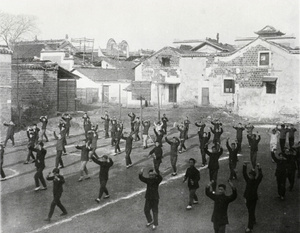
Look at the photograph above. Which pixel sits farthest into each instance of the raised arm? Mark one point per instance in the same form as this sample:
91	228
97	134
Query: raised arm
246	177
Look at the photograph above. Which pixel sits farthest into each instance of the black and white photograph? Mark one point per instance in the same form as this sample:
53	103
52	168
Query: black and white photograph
138	116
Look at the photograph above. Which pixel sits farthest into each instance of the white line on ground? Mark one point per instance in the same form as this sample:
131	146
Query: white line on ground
15	173
112	202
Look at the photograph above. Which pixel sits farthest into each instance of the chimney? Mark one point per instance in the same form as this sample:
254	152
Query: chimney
218	37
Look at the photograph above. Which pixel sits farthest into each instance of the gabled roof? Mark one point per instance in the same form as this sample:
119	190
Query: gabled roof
214	43
99	74
269	31
27	50
5	50
121	64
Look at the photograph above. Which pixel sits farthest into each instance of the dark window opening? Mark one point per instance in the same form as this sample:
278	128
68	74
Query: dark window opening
264	59
165	61
271	87
229	86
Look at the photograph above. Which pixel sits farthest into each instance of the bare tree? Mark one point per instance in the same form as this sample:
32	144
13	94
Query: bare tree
14	28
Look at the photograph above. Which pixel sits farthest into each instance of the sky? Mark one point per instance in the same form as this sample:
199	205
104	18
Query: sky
153	24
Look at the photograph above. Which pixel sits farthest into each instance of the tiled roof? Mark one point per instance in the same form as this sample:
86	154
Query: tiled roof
216	44
27	50
117	63
5	50
37	65
269	31
99	74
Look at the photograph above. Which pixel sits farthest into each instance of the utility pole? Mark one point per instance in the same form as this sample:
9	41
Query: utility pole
141	114
120	105
158	104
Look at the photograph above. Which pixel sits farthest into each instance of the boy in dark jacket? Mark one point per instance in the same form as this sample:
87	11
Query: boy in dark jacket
173	154
59	150
291	131
87	125
105	163
250	193
106	124
10	132
217	135
137	124
182	137
213	164
281	173
159	136
219	216
186	124
30	145
118	136
44	120
151	196
58	181
239	136
40	166
193	176
67	118
203	141
282	137
113	130
157	158
128	148
132	118
233	152
93	141
164	121
253	141
85	150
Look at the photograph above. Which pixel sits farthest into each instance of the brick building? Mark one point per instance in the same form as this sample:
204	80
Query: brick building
260	80
41	88
5	88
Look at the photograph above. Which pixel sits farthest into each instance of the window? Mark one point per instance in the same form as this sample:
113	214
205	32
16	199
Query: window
271	87
172	93
228	86
264	59
165	61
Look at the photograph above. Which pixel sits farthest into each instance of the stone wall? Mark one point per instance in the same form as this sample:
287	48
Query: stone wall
5	91
34	90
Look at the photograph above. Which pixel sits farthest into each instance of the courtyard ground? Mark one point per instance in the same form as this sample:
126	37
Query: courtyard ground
23	210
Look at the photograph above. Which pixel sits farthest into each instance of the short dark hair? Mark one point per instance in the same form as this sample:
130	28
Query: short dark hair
55	170
222	186
41	144
193	160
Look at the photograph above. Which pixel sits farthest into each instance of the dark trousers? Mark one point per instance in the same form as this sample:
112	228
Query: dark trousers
151	204
298	167
67	131
251	204
86	133
132	126
56	202
9	137
113	137
117	145
127	156
182	141
137	136
239	144
103	188
291	141
65	143
2	172
30	154
164	129
253	157
156	164
232	167
281	182
173	159
291	177
93	152
203	154
213	175
282	144
39	176
58	159
44	135
219	228
106	131
192	197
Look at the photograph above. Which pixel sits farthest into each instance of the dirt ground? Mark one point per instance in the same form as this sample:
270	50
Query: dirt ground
23	210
